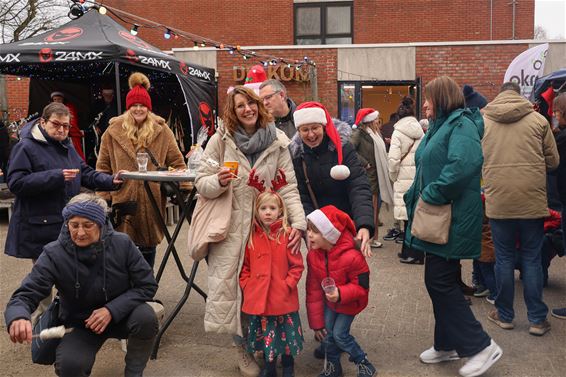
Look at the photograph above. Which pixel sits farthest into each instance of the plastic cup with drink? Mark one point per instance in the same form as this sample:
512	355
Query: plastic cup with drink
233	166
142	159
328	285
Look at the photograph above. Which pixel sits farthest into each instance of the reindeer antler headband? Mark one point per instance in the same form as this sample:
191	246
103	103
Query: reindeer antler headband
259	184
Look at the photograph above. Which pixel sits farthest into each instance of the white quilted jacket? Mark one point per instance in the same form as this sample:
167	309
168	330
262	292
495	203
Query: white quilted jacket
225	259
404	142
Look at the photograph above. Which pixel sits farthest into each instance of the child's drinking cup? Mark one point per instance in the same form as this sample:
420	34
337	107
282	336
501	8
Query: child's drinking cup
328	285
233	166
142	159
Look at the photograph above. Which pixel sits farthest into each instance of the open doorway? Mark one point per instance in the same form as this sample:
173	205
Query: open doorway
384	96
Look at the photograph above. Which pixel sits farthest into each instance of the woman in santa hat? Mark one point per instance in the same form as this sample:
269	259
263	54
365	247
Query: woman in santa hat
138	130
329	172
369	144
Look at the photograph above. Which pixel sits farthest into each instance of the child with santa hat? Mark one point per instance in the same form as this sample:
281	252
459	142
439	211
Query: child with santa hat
337	288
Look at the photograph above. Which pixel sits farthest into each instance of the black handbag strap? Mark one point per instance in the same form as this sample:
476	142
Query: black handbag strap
153	160
311	192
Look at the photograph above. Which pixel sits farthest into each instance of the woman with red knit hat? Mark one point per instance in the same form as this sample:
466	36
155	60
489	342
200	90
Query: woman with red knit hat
329	172
138	130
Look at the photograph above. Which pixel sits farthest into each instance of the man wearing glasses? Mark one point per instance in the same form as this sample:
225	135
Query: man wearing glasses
274	97
44	172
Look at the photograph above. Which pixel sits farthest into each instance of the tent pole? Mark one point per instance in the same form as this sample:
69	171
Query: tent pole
118	95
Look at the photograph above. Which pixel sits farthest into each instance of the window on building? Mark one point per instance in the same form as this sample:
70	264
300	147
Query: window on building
323	23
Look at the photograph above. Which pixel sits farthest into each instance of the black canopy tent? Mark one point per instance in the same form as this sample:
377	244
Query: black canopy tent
79	55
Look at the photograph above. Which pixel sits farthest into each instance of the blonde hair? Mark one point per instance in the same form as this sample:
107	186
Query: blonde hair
140	135
268	196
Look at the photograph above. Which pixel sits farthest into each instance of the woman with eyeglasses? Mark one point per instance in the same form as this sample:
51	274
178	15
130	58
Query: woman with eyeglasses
328	170
104	286
45	171
139	130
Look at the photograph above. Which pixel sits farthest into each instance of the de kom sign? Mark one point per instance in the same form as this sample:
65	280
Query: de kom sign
280	72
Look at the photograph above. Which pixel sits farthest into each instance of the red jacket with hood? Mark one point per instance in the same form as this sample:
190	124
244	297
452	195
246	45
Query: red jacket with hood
270	274
349	269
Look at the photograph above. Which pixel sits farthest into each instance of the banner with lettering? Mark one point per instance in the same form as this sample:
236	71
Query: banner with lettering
527	67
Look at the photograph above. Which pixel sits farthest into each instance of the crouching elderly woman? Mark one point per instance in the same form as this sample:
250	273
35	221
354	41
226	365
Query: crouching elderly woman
103	283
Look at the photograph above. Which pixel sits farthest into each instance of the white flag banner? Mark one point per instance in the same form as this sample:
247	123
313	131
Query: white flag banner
526	68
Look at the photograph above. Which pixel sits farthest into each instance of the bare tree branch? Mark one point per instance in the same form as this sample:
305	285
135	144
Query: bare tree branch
22	19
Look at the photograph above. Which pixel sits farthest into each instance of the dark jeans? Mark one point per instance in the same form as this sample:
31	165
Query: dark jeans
455	326
339	338
486	277
408	252
530	234
77	351
148	253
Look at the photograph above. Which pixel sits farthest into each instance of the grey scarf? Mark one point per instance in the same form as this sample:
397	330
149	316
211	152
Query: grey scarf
252	146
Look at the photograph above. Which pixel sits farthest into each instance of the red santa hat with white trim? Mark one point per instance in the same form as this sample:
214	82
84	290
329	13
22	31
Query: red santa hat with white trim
314	112
365	115
331	223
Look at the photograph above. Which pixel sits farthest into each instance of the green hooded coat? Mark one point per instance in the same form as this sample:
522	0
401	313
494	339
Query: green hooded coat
449	161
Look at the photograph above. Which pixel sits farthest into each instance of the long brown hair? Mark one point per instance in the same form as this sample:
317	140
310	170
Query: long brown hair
229	117
445	95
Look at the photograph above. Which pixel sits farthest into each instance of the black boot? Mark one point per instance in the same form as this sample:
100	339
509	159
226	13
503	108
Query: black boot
270	369
288	365
143	329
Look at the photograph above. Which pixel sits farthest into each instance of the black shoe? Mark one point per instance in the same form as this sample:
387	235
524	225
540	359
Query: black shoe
289	371
400	238
333	369
411	260
365	369
392	234
319	352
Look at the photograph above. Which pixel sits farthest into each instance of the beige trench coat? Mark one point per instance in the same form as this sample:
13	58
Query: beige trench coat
225	259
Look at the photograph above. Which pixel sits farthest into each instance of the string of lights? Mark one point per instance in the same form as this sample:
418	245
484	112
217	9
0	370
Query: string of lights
169	32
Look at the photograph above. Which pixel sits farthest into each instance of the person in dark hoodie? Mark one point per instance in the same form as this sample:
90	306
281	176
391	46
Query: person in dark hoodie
103	283
274	96
472	98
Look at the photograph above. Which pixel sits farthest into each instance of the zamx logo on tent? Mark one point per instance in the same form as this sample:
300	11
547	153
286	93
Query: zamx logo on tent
45	55
133	39
184	68
206	117
64	34
131	56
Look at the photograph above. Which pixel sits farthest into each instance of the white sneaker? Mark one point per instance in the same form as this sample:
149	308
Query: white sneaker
482	361
432	356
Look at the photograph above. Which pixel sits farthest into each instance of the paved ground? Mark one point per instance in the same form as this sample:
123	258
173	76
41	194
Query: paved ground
393	330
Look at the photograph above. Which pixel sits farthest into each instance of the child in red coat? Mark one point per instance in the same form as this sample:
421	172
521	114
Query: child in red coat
337	288
269	279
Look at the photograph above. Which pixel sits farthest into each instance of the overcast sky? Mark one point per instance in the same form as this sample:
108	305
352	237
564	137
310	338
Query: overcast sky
551	14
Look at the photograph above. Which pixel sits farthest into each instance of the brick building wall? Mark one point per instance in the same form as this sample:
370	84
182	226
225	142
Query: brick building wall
482	66
391	21
18	93
261	23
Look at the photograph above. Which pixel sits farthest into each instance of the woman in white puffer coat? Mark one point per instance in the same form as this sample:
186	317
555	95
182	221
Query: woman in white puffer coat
405	140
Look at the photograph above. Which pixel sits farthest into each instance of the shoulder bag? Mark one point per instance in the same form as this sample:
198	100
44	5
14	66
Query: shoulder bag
43	351
431	223
165	187
210	221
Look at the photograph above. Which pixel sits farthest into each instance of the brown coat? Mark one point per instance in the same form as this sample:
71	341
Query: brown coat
117	152
363	144
518	150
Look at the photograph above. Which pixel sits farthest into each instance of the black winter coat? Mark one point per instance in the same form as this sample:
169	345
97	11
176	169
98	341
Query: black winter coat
352	195
560	172
111	273
35	176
